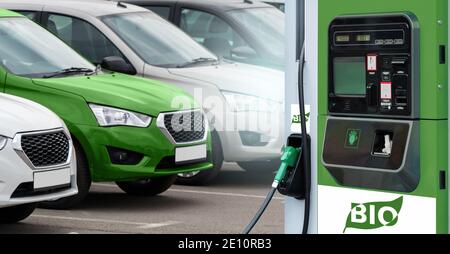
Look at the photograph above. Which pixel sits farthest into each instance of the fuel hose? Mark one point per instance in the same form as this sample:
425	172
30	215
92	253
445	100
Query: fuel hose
290	158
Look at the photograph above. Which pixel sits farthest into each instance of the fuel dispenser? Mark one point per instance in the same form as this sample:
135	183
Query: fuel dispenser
382	120
382	87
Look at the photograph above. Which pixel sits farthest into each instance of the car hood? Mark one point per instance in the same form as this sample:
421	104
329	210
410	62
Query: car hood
122	91
240	78
21	115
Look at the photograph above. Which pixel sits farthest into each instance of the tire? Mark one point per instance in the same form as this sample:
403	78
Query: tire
83	182
204	177
253	166
15	214
148	187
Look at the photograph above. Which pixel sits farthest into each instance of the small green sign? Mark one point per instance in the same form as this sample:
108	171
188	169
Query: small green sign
297	118
352	138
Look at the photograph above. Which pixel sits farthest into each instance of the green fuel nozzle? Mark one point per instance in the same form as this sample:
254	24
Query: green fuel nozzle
288	159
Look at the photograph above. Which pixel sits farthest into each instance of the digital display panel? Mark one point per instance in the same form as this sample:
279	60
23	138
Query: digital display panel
363	37
349	75
343	38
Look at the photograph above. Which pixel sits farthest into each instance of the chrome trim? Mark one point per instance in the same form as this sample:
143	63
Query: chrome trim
160	124
17	146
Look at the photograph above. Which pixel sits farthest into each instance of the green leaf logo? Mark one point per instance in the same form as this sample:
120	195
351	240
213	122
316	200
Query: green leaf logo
374	215
352	137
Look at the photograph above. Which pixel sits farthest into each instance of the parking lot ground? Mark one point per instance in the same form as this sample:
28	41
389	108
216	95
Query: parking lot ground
225	206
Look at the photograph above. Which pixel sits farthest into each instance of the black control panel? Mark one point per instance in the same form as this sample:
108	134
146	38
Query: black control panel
371	62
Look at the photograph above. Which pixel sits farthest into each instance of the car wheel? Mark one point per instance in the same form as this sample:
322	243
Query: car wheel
147	187
83	182
204	177
252	166
15	214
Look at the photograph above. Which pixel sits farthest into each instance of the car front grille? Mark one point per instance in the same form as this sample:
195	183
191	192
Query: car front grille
46	149
185	127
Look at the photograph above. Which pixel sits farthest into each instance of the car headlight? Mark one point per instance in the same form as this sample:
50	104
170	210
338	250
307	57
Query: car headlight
107	116
244	102
3	141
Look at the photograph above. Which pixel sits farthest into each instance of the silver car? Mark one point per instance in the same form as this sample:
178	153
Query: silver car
243	102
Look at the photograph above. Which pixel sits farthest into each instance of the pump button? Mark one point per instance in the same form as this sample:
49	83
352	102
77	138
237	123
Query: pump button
386	76
399	61
386	63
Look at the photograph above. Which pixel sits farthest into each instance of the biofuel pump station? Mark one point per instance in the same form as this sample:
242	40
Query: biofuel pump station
375	75
382	116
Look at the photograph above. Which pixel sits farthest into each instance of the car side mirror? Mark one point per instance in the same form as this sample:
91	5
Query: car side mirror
117	64
243	52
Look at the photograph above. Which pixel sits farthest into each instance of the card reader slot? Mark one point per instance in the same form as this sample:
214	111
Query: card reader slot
399	60
400	93
401	101
401	98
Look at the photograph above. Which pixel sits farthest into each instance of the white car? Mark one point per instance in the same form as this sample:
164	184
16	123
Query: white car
242	102
37	162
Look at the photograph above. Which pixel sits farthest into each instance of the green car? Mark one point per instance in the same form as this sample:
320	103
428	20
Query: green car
135	132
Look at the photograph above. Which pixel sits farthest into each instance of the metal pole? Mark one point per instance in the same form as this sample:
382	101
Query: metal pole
301	22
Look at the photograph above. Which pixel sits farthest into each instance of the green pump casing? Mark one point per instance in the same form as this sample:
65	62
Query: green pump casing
383	110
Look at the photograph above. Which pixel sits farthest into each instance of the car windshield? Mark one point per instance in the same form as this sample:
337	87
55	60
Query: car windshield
29	50
265	24
157	41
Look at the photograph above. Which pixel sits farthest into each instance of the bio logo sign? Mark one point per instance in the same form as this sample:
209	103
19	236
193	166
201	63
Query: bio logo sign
374	215
297	118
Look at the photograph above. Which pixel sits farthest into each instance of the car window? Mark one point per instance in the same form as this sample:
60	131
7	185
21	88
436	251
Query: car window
211	31
265	24
83	37
33	15
30	50
162	11
157	41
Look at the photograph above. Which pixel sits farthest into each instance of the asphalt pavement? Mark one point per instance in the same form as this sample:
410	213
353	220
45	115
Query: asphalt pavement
225	206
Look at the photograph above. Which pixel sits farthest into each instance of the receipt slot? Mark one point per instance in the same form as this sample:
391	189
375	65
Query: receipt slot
382	117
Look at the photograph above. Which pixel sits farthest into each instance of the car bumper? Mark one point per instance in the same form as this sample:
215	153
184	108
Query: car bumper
157	153
15	172
248	141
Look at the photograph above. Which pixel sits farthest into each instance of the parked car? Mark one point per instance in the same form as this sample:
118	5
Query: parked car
124	129
143	43
37	161
243	31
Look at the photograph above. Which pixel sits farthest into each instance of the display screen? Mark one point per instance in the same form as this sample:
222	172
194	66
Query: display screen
342	38
363	37
349	74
